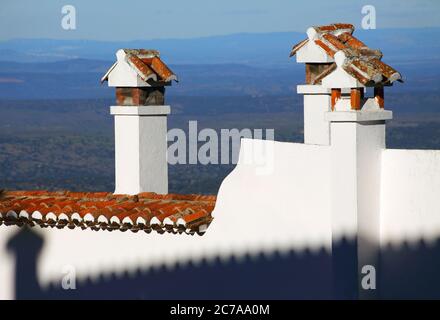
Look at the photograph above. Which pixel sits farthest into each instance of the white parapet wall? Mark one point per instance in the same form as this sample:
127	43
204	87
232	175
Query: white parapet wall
410	197
278	199
279	193
274	204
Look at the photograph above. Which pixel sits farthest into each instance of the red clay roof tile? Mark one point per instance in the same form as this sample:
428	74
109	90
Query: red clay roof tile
105	211
362	62
147	65
326	48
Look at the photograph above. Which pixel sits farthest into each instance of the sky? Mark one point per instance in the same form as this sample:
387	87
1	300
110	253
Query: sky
111	20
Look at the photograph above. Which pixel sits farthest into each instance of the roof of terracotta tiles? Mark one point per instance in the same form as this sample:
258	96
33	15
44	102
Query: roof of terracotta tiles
147	64
362	62
173	213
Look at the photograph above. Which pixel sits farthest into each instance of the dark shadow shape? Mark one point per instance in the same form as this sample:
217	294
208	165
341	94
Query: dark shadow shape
26	245
405	272
288	276
411	271
345	269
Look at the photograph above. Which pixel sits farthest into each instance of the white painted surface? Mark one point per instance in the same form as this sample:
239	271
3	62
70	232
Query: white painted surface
340	79
312	53
281	205
370	145
360	116
410	209
314	194
123	75
312	89
317	102
141	149
344	180
316	127
255	213
317	89
356	148
140	110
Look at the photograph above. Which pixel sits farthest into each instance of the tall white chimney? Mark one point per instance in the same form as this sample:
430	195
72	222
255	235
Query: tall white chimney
339	68
140	78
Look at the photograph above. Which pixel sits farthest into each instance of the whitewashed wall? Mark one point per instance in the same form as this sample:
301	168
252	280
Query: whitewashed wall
410	197
410	224
280	205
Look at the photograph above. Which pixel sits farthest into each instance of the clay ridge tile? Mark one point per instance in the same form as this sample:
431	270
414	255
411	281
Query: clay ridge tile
331	52
335	27
162	70
334	41
142	69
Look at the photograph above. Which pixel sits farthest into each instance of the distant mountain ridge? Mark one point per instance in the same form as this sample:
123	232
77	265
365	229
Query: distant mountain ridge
234	65
263	49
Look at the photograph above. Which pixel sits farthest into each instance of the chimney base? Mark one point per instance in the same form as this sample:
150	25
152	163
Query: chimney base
141	149
357	141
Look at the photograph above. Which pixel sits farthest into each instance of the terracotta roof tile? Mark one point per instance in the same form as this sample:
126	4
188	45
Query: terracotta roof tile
335	27
334	41
351	41
361	62
142	69
329	49
147	64
162	70
104	211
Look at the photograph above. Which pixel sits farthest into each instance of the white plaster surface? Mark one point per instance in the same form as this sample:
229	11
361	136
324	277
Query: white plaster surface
316	127
410	209
340	79
312	89
255	213
123	75
140	110
360	116
312	53
141	149
312	195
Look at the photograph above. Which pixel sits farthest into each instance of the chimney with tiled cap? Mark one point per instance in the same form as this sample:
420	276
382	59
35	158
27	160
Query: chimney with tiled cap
140	78
337	112
318	64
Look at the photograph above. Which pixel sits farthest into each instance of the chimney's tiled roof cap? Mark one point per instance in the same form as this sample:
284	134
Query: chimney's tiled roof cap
355	57
143	53
105	211
146	63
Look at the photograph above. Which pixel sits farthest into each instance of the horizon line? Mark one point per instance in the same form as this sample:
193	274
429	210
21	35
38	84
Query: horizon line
205	37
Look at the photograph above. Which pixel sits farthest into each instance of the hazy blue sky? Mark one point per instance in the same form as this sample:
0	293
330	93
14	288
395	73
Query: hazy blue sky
145	19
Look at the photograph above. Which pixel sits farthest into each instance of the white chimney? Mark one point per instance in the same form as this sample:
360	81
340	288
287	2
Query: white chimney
339	68
140	115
